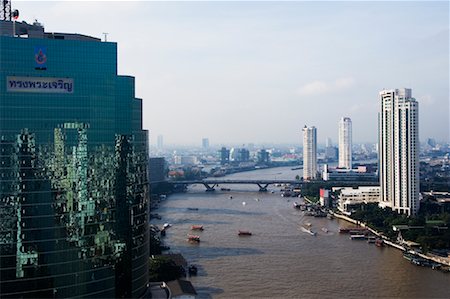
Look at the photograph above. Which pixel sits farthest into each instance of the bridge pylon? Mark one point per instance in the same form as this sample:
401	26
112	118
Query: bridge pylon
262	187
209	188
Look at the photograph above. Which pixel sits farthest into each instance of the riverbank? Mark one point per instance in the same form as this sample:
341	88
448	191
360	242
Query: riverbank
387	241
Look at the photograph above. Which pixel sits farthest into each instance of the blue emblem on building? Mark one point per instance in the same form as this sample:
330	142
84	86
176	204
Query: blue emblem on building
40	58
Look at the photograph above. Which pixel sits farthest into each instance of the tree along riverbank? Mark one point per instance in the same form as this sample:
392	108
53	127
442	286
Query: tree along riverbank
428	229
392	243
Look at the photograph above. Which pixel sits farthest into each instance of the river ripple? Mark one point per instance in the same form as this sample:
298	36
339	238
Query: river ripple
280	260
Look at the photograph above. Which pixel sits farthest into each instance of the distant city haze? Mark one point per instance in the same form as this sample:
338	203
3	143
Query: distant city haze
241	72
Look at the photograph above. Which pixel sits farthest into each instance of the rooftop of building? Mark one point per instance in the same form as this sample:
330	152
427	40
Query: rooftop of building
156	290
351	190
36	30
181	287
359	169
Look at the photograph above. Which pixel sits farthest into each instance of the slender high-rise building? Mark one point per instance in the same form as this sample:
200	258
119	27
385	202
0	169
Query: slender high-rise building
160	142
345	143
309	153
398	123
205	143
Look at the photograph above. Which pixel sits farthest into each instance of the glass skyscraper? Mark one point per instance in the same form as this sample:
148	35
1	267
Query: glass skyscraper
73	169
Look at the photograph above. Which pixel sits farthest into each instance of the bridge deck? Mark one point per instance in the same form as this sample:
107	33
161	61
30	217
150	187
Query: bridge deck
215	181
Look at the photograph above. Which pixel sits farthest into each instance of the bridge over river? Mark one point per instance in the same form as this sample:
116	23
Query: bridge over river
211	184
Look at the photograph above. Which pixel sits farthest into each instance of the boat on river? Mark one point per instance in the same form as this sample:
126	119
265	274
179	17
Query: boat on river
193	238
352	230
379	242
358	237
371	239
244	233
418	260
192	269
307	230
197	227
360	232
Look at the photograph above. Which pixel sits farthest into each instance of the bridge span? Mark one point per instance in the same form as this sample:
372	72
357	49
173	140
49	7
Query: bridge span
211	184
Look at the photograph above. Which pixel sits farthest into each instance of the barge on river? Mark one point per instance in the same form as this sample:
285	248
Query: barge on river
197	227
244	233
193	238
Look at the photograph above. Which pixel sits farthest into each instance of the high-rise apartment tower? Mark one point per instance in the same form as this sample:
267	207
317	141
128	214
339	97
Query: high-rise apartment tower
345	143
160	142
309	153
205	143
399	151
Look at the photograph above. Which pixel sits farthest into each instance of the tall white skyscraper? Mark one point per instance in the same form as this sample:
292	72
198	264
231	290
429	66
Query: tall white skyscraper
345	143
398	123
159	142
309	153
205	143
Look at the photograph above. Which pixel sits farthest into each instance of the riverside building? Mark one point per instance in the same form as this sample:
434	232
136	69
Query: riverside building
345	143
309	153
73	156
351	198
399	151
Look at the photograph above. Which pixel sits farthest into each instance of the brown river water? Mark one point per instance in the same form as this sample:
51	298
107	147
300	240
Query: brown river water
280	260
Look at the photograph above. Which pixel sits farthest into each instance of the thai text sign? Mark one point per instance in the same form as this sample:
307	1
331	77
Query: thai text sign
39	84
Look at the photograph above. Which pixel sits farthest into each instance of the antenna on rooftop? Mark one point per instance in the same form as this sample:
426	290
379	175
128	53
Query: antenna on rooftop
5	10
105	34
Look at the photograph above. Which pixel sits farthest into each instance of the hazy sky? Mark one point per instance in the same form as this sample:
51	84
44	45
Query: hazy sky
240	72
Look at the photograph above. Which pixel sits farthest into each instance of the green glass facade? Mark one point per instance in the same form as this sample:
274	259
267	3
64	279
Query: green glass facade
73	171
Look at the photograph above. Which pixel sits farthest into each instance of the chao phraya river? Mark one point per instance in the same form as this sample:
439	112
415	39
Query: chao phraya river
280	260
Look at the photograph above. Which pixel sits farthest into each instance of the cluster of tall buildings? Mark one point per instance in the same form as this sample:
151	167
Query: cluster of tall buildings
238	155
398	150
73	168
310	148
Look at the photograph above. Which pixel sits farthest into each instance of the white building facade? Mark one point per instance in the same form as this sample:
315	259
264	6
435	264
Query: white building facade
398	134
345	143
309	153
350	197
